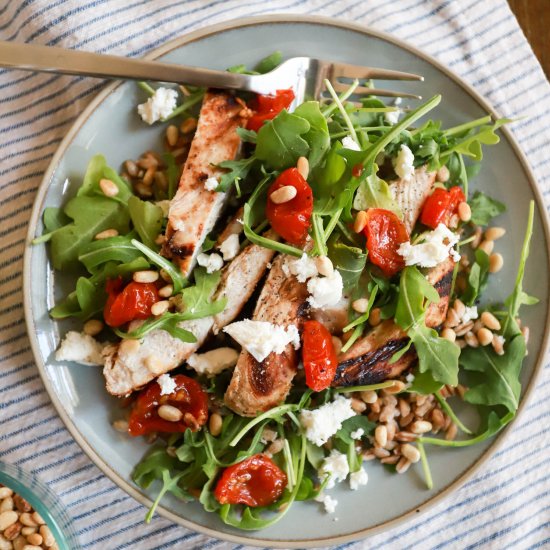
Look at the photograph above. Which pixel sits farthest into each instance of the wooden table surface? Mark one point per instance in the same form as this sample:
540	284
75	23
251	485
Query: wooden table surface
534	19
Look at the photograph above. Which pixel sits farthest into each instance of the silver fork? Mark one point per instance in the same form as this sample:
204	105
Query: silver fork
305	75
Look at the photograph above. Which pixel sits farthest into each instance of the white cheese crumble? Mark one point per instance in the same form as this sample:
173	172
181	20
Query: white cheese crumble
325	291
335	467
322	423
470	313
357	434
167	384
328	502
213	362
211	183
356	479
80	348
403	163
230	247
409	378
349	143
303	268
435	248
158	106
261	338
212	262
392	117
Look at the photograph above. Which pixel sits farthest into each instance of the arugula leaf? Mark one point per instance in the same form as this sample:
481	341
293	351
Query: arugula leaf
348	260
168	322
151	466
353	424
196	300
317	137
280	142
169	485
114	249
238	170
424	383
54	218
147	219
484	208
94	172
374	192
478	278
171	173
246	135
269	62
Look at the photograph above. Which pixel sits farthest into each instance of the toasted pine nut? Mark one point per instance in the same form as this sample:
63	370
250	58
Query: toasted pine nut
275	447
411	452
188	125
393	459
165	276
215	424
487	246
369	396
148	276
166	291
159	308
452	319
496	261
35	539
172	134
451	432
26	519
107	234
494	233
357	405
484	336
148	161
131	168
459	307
525	331
5	492
448	334
461	390
498	344
380	452
128	346
28	531
397	387
31	547
464	212
109	188
461	330
169	413
6	504
360	305
402	465
337	344
93	327
38	518
8	518
21	504
471	340
404	407
149	176
360	221
143	191
283	194
160	180
374	317
120	425
420	427
381	435
324	266
490	321
303	167
443	174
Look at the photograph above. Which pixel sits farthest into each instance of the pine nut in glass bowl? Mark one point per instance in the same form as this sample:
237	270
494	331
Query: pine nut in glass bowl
31	515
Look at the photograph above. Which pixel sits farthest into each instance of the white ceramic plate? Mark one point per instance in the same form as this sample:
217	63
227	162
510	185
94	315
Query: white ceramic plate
110	126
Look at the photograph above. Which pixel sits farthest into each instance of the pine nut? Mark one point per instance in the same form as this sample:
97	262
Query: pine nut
404	407
471	340
411	452
487	246
443	174
379	452
131	168
452	319
165	276
397	387
21	504
438	420
381	435
108	188
494	233
215	424
159	308
525	331
478	233
357	405
5	492
393	459
31	547
143	191
498	344
121	426
6	505
402	465
496	261
453	222
448	334
360	221
166	291
47	535
360	305
38	518
420	427
490	321
324	266
147	161
484	336
149	176
461	330
161	180
275	447
26	531
464	212
459	307
374	317
172	134
303	167
369	396
93	327
35	539
336	344
283	194
461	390
191	421
7	518
188	125
129	346
148	276
169	413
451	432
107	234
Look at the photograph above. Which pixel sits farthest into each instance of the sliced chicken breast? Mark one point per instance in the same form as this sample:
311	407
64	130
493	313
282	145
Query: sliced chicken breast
334	318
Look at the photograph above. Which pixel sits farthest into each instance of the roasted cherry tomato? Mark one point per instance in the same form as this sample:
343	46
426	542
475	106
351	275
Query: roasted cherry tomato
291	219
385	232
256	481
134	301
441	205
267	107
188	397
318	356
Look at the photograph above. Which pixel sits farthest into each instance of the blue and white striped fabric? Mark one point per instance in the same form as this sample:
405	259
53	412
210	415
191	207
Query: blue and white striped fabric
506	505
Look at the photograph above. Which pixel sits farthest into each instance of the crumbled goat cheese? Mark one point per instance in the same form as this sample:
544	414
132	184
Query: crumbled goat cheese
356	479
392	117
230	247
80	348
470	313
409	378
167	384
212	262
335	467
158	106
211	183
349	143
261	338
303	269
357	434
322	423
328	502
403	163
325	291
435	248
213	362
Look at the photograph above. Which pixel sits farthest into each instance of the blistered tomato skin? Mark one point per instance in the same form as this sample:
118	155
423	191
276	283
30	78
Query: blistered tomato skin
126	304
318	356
292	219
440	206
188	397
256	481
385	233
267	107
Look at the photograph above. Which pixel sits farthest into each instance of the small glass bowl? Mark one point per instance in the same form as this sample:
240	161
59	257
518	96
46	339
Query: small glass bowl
44	501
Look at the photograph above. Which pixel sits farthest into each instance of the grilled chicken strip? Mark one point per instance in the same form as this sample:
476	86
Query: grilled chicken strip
259	386
194	210
367	361
127	369
410	194
335	317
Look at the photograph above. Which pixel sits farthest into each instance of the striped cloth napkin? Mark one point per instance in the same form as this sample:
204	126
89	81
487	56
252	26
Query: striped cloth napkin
506	505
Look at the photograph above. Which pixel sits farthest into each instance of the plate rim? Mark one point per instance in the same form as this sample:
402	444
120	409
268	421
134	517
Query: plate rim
234	24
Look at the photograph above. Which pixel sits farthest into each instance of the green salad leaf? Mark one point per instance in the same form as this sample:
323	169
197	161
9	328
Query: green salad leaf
317	137
374	192
478	277
147	219
237	171
114	249
350	261
484	208
196	300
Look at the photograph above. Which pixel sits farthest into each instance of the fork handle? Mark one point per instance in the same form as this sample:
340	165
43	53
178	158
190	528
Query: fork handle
30	57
